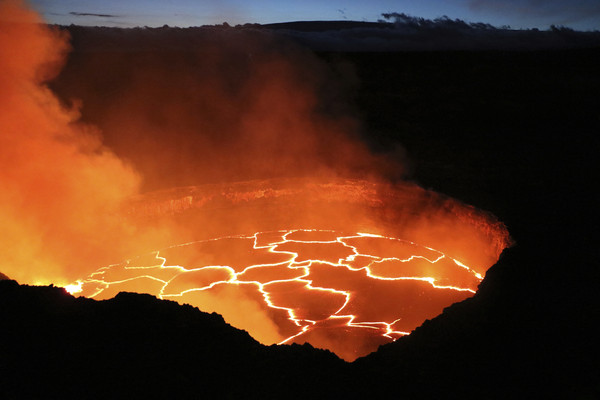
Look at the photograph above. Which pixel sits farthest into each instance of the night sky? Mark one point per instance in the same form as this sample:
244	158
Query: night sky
518	14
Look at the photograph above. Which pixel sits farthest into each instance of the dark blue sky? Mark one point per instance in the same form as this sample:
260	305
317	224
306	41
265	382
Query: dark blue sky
577	14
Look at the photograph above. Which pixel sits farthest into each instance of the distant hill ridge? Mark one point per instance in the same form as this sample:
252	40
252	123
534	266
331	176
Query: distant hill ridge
323	26
338	36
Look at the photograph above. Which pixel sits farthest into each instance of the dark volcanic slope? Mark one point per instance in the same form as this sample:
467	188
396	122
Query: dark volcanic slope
514	133
136	346
527	338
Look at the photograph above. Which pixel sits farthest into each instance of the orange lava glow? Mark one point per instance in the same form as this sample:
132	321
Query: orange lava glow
334	288
348	293
299	272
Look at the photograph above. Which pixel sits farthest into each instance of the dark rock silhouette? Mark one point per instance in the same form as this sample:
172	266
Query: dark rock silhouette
511	340
508	341
491	129
54	345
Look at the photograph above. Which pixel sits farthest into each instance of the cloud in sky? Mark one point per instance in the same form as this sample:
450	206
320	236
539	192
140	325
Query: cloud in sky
79	14
558	12
136	12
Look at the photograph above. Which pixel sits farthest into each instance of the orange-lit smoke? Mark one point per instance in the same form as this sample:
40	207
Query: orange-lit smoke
232	105
59	185
63	187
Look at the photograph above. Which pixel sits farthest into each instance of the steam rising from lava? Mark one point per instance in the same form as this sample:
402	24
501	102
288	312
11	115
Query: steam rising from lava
233	105
59	183
241	105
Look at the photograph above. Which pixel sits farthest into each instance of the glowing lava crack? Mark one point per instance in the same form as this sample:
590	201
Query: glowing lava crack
348	293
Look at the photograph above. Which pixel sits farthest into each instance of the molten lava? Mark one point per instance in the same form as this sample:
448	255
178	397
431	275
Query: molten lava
336	289
345	292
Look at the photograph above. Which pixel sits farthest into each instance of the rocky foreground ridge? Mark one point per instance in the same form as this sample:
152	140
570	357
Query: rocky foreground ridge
501	343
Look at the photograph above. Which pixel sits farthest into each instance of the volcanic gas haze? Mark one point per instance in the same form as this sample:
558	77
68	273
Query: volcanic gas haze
326	253
230	105
60	185
240	107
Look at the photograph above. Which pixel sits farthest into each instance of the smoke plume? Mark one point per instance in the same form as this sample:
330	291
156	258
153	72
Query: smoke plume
60	185
139	110
229	108
198	105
